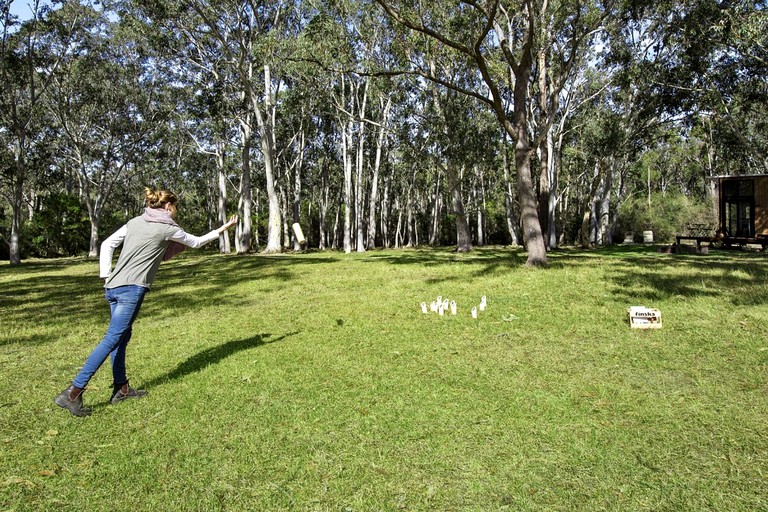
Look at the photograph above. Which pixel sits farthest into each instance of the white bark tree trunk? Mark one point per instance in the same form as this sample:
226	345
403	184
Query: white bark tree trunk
374	198
266	135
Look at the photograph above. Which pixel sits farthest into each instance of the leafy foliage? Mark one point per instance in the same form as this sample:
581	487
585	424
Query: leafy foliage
667	215
100	99
59	228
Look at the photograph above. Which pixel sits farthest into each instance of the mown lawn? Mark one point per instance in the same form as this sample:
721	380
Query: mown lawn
313	382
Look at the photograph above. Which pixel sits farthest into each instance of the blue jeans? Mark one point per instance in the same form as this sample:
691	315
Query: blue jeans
124	304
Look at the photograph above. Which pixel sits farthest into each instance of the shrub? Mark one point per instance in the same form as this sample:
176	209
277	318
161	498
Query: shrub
60	228
666	216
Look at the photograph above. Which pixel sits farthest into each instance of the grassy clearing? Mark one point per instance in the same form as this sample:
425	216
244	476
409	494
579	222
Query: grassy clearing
313	382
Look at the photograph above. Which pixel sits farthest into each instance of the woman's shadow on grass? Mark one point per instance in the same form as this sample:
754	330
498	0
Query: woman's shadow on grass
213	355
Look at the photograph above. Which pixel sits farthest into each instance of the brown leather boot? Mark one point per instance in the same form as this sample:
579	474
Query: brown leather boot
121	392
71	399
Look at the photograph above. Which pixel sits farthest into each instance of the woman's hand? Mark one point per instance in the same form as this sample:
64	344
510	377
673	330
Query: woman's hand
232	222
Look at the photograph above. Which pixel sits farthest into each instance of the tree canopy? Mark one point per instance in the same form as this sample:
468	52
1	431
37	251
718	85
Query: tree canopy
376	123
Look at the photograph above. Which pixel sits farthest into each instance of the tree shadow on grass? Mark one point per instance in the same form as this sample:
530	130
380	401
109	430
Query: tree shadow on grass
741	283
482	261
637	275
46	300
214	275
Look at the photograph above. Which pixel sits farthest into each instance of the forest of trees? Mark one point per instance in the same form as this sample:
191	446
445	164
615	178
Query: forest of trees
377	123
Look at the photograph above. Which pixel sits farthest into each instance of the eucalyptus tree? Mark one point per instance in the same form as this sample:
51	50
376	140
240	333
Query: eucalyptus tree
241	44
503	41
463	145
291	149
448	124
371	43
721	74
30	52
107	105
702	64
414	173
349	101
207	115
328	168
352	104
340	41
189	57
624	109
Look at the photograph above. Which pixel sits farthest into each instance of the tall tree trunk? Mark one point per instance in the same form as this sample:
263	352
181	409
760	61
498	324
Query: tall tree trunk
411	222
14	244
544	146
360	182
398	229
336	227
532	235
266	137
544	188
93	242
586	232
257	209
480	205
324	198
554	178
509	207
437	208
347	162
595	235
297	184
222	199
243	241
374	198
284	213
463	234
385	213
604	211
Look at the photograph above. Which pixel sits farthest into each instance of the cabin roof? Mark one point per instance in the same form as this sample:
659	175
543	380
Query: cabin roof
737	176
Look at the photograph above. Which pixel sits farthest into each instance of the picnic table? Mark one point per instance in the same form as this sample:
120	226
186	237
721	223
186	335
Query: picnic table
698	232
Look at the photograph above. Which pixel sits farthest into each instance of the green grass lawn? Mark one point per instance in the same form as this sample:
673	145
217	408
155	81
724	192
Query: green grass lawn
313	382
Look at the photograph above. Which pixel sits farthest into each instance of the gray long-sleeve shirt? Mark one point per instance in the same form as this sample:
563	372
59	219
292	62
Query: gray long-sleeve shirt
144	244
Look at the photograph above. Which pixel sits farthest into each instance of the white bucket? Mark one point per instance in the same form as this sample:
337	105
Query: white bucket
647	237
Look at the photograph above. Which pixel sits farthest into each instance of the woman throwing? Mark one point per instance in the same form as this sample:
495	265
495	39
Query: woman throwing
147	240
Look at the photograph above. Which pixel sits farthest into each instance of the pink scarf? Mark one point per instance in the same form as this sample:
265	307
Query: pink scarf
162	216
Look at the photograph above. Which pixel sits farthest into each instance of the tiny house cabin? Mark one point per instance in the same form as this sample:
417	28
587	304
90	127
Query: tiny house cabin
742	214
743	209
